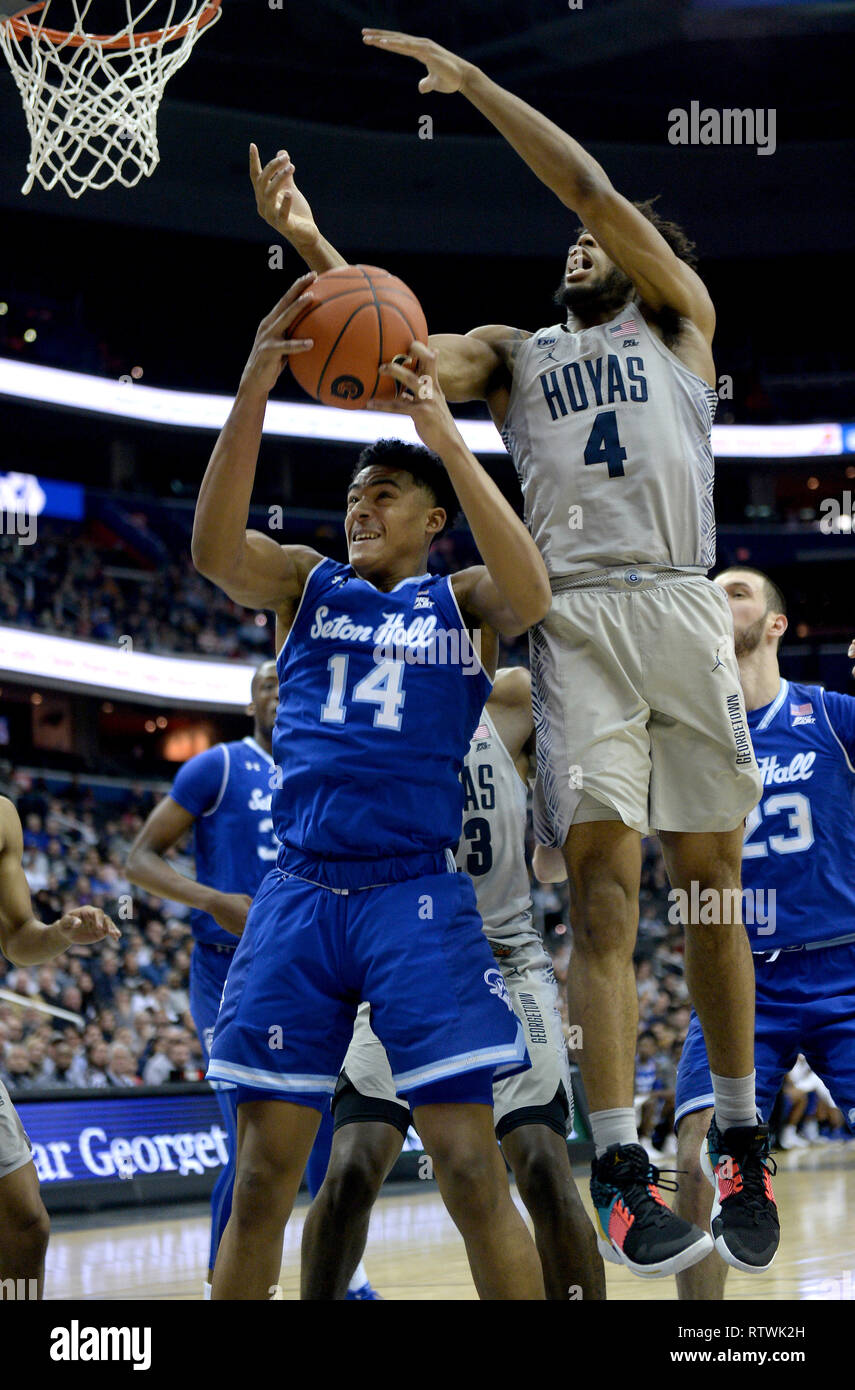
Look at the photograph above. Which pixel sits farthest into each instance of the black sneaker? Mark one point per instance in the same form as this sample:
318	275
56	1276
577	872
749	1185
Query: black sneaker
744	1220
636	1228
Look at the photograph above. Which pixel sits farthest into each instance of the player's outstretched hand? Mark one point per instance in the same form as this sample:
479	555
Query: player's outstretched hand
419	395
271	348
278	199
230	911
83	926
446	72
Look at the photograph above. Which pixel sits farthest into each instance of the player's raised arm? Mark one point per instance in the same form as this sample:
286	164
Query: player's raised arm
511	590
149	869
573	175
282	205
472	366
25	940
249	566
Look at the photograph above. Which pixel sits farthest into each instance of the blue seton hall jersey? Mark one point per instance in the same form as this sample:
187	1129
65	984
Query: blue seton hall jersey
800	838
228	789
379	696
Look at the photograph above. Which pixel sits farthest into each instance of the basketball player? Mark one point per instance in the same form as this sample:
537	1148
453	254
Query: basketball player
532	1111
639	713
798	871
24	1222
380	689
224	794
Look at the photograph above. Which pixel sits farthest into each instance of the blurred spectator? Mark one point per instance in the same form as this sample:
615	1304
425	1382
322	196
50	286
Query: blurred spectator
62	1055
17	1072
107	978
40	1063
89	1068
122	1070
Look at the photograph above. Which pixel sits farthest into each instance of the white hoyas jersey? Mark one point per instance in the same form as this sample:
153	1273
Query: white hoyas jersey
610	436
492	843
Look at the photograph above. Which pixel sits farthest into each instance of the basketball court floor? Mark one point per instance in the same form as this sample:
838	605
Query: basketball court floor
414	1252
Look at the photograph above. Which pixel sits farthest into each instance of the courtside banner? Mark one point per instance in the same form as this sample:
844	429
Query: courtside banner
124	1136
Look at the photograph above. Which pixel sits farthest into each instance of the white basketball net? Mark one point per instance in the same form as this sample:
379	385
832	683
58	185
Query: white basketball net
92	107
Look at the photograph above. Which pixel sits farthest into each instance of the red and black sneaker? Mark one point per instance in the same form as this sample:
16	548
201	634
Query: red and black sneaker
744	1220
636	1228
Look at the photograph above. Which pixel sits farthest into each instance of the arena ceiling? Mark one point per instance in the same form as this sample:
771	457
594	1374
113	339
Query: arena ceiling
621	63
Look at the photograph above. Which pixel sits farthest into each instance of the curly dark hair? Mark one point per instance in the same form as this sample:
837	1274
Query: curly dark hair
681	244
426	469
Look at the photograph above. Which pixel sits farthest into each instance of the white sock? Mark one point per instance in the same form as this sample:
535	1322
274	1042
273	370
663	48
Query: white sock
613	1127
360	1277
735	1100
206	1295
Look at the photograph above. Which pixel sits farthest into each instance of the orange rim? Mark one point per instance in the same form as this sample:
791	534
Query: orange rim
60	37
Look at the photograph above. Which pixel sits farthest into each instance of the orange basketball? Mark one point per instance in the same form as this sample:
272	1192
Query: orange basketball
361	317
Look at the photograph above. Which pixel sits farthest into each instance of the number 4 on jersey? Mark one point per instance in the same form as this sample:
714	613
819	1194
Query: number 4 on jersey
604	444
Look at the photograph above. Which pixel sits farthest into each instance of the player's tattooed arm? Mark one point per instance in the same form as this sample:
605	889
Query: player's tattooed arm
250	567
25	940
283	206
573	175
479	365
148	867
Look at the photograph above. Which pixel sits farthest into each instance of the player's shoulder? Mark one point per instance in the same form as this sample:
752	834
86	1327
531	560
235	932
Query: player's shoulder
839	711
306	560
202	766
326	572
512	687
504	340
11	831
495	333
216	753
463	585
243	752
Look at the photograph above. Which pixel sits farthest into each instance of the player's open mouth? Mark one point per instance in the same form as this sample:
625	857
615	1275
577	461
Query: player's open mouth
580	264
365	536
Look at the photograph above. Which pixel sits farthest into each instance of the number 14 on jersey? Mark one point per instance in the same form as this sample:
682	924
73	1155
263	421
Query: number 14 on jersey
381	687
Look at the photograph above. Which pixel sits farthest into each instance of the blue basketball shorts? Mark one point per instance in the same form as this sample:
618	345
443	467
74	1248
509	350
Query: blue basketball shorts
805	1003
414	949
209	966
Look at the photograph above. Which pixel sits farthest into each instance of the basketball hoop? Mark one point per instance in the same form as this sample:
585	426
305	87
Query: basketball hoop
91	100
